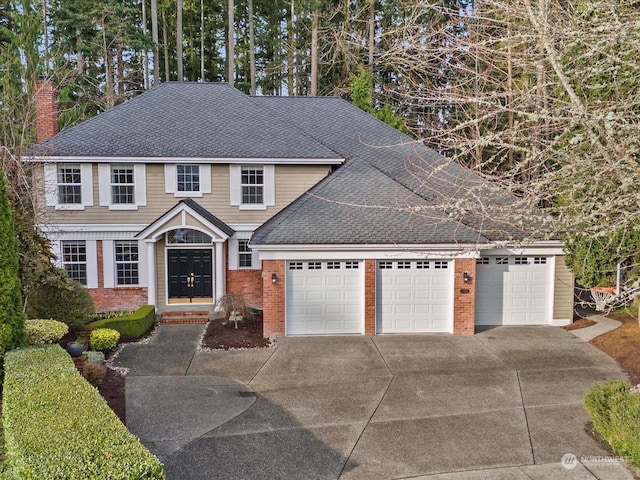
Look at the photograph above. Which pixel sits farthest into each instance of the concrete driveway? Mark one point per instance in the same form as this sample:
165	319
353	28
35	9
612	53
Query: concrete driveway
503	404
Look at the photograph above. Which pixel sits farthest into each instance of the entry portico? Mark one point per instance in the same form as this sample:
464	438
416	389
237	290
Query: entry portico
186	252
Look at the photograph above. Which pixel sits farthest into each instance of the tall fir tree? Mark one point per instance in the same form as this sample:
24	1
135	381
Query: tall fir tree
11	311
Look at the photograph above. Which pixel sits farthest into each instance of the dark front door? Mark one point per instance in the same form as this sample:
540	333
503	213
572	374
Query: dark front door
190	274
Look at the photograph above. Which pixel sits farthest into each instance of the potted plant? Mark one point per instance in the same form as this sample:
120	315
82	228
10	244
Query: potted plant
75	348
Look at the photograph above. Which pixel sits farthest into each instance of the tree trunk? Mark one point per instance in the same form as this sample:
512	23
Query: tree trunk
202	40
145	53
372	33
154	39
290	55
230	43
180	66
252	50
165	35
314	53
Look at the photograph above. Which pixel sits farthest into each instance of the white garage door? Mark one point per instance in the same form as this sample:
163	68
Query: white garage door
414	296
324	297
513	290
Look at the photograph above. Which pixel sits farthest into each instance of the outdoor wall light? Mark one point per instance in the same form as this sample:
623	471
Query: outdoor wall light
274	278
466	278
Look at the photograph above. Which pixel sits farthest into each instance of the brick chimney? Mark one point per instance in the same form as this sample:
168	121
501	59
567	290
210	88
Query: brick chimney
46	96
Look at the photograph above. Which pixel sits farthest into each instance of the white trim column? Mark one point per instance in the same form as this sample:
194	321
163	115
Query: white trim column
151	272
219	286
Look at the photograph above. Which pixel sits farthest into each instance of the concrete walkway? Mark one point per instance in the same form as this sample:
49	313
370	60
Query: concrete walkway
504	404
602	326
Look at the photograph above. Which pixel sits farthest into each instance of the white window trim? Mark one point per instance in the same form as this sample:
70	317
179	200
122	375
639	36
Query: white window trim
51	187
109	264
139	187
235	188
170	181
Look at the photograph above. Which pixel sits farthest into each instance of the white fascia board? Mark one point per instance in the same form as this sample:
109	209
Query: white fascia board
537	248
351	252
102	227
189	160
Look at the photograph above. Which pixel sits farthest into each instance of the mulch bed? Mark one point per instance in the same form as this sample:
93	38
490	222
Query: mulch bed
623	344
580	323
226	336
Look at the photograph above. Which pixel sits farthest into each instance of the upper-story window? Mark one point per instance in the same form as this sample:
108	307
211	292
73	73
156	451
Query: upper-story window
187	180
68	186
252	184
123	186
252	187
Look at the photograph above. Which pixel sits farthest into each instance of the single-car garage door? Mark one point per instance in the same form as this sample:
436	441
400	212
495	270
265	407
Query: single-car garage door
513	290
414	296
324	297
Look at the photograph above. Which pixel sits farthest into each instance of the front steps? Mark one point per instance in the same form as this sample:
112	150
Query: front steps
184	317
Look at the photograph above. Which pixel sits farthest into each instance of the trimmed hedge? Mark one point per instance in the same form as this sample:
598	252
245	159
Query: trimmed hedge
134	325
615	412
41	331
57	426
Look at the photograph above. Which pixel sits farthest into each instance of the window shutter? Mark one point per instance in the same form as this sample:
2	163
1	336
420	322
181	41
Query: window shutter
235	172
108	262
269	185
86	176
104	184
140	179
233	253
50	184
205	178
170	178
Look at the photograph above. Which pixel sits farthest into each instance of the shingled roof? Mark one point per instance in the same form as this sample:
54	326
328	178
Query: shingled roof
392	190
186	120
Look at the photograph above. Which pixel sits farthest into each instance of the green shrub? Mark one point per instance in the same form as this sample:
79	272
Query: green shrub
615	412
57	426
62	299
94	357
44	331
104	338
133	325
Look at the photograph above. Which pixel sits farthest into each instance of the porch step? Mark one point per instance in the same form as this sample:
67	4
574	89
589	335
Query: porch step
181	317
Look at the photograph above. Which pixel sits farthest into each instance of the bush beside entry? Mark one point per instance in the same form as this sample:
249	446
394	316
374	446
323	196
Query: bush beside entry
134	325
44	331
57	426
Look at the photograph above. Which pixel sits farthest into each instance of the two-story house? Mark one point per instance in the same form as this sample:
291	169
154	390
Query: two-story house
326	218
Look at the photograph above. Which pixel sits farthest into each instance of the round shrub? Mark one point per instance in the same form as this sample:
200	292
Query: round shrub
104	338
95	357
44	331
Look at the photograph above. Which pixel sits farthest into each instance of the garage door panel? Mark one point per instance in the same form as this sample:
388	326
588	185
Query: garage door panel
323	298
513	294
414	296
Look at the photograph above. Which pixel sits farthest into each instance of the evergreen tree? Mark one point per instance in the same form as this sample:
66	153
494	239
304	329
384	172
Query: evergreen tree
11	311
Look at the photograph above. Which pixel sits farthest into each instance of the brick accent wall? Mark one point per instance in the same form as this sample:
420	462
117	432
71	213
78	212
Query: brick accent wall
247	283
46	96
120	298
464	297
273	298
369	297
